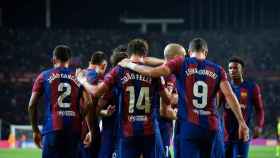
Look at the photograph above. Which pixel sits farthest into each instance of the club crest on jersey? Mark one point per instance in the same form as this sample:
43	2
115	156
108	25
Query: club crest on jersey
244	94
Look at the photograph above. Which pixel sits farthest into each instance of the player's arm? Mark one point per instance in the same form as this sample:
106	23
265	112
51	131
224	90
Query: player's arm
158	71
95	90
166	109
37	91
235	107
89	109
152	61
258	104
89	118
32	111
102	102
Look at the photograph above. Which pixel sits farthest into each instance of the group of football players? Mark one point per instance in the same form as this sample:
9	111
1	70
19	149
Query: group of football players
145	105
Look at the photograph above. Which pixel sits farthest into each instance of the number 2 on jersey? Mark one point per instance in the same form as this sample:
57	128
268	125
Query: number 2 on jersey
200	91
143	94
64	94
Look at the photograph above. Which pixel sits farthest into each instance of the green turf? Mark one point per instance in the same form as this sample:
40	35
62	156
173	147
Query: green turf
255	152
262	152
20	153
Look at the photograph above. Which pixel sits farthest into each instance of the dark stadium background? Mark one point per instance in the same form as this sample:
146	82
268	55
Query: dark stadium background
247	28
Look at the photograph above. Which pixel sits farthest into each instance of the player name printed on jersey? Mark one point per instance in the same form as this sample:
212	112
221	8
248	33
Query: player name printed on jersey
192	71
133	76
65	76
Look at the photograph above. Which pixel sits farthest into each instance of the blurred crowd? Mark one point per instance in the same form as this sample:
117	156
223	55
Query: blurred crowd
26	52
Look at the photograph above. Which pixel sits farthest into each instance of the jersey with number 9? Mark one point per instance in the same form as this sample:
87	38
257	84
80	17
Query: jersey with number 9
197	84
62	99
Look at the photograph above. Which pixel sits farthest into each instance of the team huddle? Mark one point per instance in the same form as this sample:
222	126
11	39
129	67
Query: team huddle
144	105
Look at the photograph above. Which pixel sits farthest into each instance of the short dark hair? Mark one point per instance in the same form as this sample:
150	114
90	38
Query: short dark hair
97	57
198	45
119	54
62	53
237	59
137	46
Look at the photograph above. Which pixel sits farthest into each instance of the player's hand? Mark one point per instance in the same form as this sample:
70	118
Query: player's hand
81	75
243	132
37	137
88	139
110	110
124	62
257	132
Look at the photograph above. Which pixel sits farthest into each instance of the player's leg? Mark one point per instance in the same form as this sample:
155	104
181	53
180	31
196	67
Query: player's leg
49	146
129	148
218	150
243	149
207	144
230	149
107	143
68	143
166	136
189	148
148	147
176	141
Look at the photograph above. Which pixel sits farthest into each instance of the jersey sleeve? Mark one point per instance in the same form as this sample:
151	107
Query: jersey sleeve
111	78
175	64
223	74
38	84
258	104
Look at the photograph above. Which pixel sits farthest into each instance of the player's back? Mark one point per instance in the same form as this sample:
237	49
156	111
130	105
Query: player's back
197	84
62	99
136	100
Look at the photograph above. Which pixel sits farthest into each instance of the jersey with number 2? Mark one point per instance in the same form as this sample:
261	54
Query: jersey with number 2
62	94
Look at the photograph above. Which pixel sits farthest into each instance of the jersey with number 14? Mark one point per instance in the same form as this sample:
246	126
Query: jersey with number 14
135	98
197	85
62	94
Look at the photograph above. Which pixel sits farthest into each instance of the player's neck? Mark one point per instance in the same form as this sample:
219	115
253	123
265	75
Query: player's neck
137	58
238	81
61	65
200	56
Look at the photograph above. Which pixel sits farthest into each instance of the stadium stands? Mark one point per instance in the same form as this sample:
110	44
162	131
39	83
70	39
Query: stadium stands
25	52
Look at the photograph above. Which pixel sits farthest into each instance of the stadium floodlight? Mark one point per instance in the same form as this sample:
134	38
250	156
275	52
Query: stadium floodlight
145	21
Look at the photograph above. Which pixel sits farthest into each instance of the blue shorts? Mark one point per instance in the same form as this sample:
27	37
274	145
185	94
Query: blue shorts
166	137
218	150
236	149
107	143
93	150
132	147
195	141
60	144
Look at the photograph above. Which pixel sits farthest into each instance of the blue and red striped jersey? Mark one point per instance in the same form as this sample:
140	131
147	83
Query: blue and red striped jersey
93	78
249	96
62	94
197	85
135	94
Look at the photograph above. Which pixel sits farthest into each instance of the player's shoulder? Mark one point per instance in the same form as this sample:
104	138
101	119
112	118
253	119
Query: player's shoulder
212	63
250	83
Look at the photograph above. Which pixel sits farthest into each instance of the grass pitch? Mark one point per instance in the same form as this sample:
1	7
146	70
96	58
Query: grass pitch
255	152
